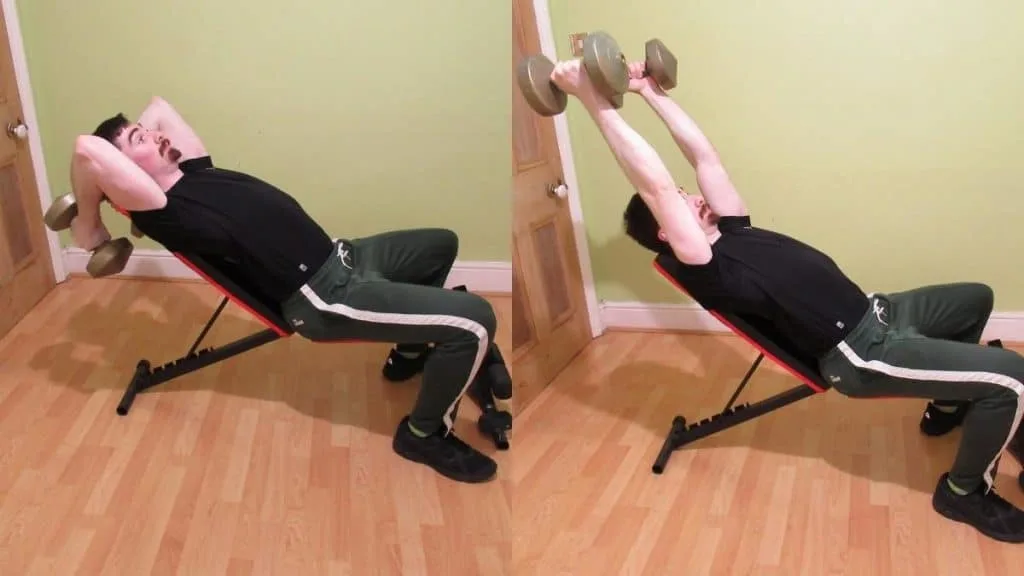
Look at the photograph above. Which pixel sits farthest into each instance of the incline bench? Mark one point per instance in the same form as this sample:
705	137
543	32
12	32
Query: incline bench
492	422
270	316
762	336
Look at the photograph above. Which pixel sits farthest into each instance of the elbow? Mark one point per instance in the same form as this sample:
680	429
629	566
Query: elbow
83	147
158	103
88	148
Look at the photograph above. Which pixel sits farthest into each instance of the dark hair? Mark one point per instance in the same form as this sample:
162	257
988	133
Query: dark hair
641	225
110	128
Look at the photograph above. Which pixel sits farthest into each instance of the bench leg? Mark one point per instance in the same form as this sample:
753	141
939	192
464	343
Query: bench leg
681	434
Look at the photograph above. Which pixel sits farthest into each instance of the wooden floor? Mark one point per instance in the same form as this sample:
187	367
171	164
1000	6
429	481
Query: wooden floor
279	462
828	485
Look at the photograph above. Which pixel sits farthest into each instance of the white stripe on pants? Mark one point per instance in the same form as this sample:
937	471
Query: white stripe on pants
947	376
414	320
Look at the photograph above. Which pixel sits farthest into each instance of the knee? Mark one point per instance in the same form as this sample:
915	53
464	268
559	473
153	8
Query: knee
446	241
983	296
481	313
1009	374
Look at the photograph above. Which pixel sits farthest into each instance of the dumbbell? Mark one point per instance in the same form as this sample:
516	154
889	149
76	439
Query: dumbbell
606	66
491	391
534	78
108	258
609	72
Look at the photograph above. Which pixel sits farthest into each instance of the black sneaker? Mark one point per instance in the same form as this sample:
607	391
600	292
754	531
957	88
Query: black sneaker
399	368
988	512
935	422
445	453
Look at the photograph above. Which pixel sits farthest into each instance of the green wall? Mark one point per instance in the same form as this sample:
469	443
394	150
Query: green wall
374	115
889	133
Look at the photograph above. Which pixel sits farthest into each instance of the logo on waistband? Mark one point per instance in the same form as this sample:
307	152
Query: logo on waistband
879	312
346	256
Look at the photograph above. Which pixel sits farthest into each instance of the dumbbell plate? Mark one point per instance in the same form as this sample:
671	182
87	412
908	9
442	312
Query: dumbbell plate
110	258
60	214
606	65
534	77
661	64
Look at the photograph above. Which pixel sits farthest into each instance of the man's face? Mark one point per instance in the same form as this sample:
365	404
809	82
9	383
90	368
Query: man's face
149	149
701	210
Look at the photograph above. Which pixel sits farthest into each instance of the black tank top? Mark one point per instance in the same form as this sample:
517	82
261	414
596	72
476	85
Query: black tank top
258	233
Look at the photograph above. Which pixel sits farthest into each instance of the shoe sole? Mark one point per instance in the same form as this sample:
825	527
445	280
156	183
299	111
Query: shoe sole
413	457
956	517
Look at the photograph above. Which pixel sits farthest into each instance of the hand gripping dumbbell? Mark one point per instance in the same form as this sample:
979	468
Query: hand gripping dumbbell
606	66
108	258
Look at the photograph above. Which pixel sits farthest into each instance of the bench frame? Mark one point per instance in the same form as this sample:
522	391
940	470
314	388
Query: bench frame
758	334
146	376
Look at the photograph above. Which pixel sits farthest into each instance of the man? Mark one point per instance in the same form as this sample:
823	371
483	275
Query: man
922	343
387	287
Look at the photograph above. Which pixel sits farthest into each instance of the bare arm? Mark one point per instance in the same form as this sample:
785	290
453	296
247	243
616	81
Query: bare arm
712	178
98	171
160	115
652	180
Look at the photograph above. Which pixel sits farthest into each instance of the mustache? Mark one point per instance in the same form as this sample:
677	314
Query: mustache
172	153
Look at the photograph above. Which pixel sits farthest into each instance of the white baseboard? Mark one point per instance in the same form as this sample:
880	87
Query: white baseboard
1008	326
487	277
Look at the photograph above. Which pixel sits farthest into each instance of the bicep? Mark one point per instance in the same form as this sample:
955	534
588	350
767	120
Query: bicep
122	182
718	190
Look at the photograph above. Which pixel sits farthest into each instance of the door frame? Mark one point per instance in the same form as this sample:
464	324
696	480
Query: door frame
35	141
548	47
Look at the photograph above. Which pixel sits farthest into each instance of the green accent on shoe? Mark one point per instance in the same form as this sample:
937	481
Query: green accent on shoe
417	432
956	489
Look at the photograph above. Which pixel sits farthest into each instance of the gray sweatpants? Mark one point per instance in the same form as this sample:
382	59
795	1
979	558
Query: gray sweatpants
389	288
923	343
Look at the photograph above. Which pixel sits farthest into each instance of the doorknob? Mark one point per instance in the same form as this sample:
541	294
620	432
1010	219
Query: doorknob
17	131
559	190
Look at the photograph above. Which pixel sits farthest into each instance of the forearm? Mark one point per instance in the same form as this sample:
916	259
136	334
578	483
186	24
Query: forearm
637	158
87	228
685	131
712	177
649	176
